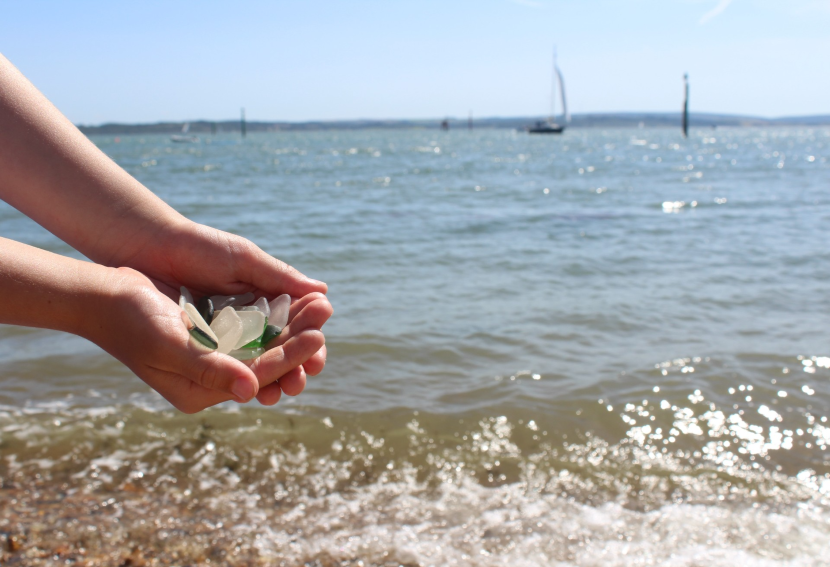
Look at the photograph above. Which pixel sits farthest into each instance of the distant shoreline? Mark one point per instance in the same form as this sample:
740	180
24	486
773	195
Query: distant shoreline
597	120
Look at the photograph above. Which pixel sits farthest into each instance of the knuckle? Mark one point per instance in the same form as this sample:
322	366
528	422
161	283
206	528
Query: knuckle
208	376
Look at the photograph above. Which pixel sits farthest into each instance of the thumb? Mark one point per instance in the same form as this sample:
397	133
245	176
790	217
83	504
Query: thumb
221	373
212	371
276	277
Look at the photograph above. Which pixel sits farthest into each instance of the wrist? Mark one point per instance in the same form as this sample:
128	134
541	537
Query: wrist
96	302
151	240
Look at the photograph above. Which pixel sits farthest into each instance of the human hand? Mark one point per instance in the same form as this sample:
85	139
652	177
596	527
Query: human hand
208	261
139	323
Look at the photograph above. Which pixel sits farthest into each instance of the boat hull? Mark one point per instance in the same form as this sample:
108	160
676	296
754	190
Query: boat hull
546	130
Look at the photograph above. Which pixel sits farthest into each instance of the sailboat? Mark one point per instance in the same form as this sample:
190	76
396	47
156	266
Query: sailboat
550	126
183	137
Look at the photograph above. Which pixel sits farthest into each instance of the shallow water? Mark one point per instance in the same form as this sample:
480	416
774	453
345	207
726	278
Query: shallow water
603	348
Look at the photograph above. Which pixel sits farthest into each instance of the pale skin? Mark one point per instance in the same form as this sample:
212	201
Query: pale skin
142	250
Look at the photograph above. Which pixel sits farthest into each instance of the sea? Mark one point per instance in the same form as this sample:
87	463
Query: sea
608	347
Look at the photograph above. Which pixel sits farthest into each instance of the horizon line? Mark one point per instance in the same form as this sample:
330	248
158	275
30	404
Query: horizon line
465	119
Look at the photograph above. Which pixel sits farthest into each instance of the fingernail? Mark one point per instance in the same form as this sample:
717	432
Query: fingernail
243	389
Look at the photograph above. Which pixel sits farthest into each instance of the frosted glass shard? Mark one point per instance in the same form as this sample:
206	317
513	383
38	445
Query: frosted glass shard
247	353
199	321
279	311
222	301
253	323
243	299
262	305
185	296
228	328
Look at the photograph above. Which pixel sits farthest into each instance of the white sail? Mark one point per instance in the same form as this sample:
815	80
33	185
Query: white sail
566	117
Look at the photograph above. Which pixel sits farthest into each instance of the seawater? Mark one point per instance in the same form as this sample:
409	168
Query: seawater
608	347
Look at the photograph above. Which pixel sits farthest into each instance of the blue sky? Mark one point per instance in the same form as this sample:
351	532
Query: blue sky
299	60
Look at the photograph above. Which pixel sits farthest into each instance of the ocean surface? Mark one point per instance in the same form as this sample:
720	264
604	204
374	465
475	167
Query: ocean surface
610	347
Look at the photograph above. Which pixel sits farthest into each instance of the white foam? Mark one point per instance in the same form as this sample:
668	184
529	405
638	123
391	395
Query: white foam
469	525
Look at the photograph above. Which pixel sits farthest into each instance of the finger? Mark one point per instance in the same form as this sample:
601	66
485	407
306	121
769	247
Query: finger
275	276
293	383
185	395
280	360
298	304
314	365
270	394
208	368
313	315
222	373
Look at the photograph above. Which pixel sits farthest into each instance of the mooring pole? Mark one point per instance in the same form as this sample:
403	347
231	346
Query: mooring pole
686	107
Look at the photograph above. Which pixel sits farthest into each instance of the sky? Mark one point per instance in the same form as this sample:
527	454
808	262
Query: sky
102	61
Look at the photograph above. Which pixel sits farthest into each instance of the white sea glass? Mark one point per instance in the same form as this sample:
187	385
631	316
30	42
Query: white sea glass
247	353
243	299
185	293
262	305
228	328
222	301
253	323
199	321
279	311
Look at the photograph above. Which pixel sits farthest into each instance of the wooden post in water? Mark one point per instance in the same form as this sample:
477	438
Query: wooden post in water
686	107
242	124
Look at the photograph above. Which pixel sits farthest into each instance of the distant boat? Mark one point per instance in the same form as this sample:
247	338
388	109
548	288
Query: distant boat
183	138
550	126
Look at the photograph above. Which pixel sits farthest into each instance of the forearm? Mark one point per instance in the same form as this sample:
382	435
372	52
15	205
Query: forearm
52	173
41	289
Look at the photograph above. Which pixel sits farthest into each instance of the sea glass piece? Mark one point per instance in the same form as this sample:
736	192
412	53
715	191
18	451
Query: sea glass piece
262	305
279	311
253	324
197	319
203	339
205	307
247	353
243	299
271	332
185	297
222	301
228	328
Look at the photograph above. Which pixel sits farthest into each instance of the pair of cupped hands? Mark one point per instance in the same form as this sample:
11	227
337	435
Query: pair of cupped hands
145	330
